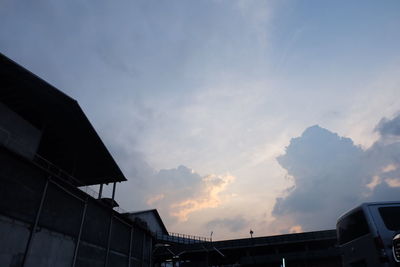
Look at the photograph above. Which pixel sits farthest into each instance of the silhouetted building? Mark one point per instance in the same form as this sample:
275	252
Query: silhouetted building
312	249
49	152
151	218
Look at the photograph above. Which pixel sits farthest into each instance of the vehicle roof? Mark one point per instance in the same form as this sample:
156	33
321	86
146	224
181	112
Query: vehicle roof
367	204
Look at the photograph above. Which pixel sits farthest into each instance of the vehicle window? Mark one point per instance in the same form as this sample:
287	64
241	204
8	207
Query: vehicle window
391	217
352	227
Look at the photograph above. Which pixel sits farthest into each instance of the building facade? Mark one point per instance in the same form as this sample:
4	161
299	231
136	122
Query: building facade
49	151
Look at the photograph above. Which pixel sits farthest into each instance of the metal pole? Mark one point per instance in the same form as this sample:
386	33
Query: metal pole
79	234
113	192
33	230
110	228
100	191
109	240
130	248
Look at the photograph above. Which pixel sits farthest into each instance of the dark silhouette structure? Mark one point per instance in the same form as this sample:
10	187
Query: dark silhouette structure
312	249
48	152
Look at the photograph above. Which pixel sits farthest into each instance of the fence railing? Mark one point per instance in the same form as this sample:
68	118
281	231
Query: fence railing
182	238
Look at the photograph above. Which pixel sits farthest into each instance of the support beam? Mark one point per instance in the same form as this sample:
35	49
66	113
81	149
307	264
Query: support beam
110	227
113	192
100	191
35	225
109	240
79	234
130	248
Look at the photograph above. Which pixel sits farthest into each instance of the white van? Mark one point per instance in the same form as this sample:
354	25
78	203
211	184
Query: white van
369	235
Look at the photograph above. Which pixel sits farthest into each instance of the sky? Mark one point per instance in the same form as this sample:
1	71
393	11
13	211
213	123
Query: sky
226	116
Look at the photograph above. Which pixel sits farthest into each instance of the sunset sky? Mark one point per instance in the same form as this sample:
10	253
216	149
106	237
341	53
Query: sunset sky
229	115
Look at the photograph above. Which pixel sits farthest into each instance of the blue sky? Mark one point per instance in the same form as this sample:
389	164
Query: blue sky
205	98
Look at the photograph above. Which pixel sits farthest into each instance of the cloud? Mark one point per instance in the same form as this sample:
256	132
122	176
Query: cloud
154	199
389	130
176	193
393	182
331	175
233	224
184	192
296	229
207	197
389	127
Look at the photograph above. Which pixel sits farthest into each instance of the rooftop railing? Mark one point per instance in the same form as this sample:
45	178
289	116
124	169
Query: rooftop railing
182	238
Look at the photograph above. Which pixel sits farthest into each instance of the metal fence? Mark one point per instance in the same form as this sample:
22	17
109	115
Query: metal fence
181	238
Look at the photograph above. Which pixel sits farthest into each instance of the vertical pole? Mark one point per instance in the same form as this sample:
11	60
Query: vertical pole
79	234
100	191
110	227
130	248
113	192
109	240
33	230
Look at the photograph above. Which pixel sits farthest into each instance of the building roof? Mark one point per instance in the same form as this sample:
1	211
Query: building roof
68	140
156	215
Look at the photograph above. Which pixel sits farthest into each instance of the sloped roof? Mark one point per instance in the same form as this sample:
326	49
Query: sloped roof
69	141
156	215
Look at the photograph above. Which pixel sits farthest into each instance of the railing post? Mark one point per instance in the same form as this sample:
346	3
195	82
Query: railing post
80	233
33	230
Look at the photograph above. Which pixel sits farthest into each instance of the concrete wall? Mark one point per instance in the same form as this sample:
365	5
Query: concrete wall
14	236
106	236
51	249
48	248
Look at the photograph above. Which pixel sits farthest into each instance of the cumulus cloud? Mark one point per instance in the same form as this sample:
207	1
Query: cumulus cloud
177	193
154	199
296	229
207	197
181	191
389	127
233	224
331	175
